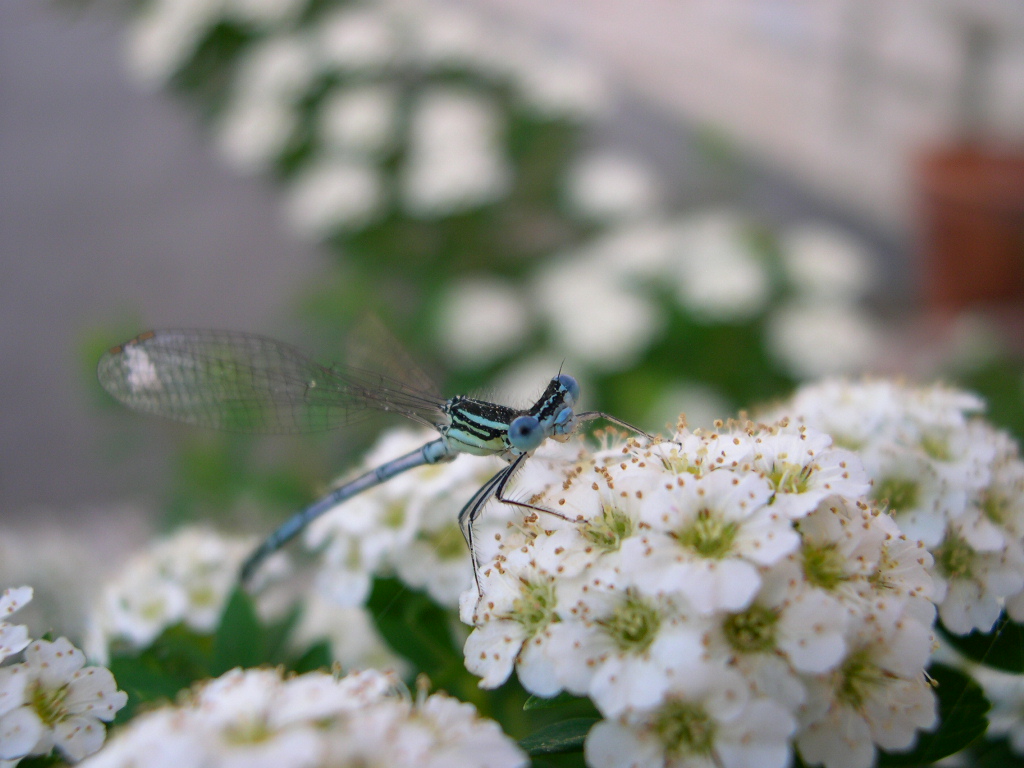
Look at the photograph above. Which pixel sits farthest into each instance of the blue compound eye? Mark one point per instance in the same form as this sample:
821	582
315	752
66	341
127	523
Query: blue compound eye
571	387
525	433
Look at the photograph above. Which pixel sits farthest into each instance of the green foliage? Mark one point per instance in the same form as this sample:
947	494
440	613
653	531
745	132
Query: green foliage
564	736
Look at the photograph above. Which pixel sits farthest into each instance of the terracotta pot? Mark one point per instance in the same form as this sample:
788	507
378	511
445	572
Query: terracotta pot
972	211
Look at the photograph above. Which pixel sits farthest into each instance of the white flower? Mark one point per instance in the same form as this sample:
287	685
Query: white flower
600	319
185	577
165	34
280	67
825	263
456	159
718	276
707	719
13	637
556	86
358	38
481	320
804	469
878	696
257	718
1006	692
708	535
821	338
334	194
612	187
53	700
361	119
253	133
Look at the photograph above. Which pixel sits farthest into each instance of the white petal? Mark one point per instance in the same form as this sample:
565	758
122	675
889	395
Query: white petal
55	662
612	745
491	651
20	731
13	681
77	737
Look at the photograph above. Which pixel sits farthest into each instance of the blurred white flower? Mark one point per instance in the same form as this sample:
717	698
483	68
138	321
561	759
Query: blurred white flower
407	526
279	68
1006	692
253	133
594	315
643	248
557	86
611	187
448	37
480	320
334	194
718	277
260	719
676	589
13	637
52	700
360	38
818	339
185	577
361	119
456	159
165	33
825	263
708	718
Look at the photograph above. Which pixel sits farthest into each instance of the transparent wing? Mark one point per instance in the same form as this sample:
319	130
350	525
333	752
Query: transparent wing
241	382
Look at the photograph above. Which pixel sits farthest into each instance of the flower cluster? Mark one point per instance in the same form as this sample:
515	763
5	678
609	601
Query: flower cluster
184	578
257	718
951	481
719	597
408	526
51	700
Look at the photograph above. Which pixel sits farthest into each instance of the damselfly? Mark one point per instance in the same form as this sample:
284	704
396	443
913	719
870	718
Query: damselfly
247	383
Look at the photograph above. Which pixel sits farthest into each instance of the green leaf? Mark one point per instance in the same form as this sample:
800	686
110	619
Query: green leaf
565	736
276	634
962	710
561	699
240	640
317	657
1002	648
414	627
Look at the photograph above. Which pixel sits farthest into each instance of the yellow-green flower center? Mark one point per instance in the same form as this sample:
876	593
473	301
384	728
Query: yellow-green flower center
535	606
709	534
608	530
955	557
633	625
900	494
685	729
824	565
786	477
48	703
753	630
858	677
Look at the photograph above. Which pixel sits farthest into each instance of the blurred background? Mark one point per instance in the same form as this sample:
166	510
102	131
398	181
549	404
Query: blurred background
693	205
